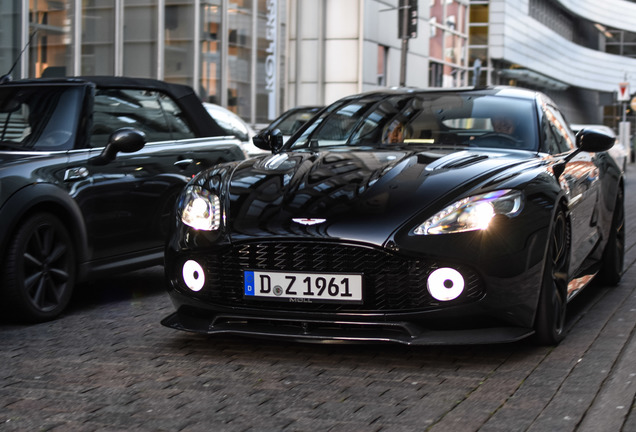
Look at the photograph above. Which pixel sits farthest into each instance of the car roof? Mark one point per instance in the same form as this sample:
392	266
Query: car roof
177	90
184	95
509	91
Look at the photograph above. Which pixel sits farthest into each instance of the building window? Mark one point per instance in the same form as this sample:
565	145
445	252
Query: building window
435	74
50	50
240	57
210	86
619	42
234	56
140	42
478	42
552	16
179	49
448	44
383	55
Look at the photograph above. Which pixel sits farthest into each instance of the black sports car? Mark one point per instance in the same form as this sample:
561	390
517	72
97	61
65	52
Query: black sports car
90	168
419	217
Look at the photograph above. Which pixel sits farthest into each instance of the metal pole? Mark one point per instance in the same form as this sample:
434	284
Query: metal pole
298	54
405	43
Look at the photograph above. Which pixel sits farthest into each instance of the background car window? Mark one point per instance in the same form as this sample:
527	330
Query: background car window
151	112
231	123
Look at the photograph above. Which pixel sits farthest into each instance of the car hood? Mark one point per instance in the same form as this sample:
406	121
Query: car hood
355	195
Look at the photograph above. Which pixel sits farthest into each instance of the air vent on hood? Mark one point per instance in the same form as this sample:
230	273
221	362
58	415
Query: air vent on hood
457	160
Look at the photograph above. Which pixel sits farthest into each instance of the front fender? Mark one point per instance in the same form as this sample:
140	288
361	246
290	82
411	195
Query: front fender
44	197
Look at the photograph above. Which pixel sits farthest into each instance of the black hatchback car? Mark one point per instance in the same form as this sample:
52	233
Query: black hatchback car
90	168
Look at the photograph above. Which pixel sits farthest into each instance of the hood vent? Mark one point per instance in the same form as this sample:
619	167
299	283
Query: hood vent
469	160
457	160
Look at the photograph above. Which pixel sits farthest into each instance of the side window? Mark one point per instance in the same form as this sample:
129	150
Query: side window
549	140
174	116
151	112
337	128
42	118
558	137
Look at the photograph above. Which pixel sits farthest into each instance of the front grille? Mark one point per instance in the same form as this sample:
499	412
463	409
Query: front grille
391	282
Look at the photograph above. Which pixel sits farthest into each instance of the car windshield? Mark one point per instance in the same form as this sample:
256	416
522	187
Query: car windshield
425	119
39	117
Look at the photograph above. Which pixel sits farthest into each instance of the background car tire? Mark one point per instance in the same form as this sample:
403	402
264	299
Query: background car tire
38	273
614	253
550	319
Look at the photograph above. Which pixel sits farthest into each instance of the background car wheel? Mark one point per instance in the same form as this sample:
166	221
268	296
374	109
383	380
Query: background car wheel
38	273
614	254
550	320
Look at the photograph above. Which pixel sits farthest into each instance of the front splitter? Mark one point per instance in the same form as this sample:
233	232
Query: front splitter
318	331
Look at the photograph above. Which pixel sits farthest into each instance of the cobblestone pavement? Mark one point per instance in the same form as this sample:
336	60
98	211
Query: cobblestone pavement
108	365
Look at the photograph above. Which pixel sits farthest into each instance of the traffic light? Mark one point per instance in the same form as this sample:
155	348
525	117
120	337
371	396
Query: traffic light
408	7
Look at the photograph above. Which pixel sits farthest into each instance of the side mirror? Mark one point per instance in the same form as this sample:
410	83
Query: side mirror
124	140
593	140
269	140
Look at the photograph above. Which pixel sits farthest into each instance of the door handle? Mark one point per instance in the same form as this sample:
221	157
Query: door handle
183	163
76	173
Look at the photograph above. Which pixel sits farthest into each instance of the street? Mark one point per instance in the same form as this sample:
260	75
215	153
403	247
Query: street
107	364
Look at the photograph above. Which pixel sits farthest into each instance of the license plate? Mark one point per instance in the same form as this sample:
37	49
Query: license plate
303	287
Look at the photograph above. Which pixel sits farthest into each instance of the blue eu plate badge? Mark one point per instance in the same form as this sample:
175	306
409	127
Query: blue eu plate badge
248	277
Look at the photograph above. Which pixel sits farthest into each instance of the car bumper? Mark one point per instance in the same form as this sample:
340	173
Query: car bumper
495	306
339	331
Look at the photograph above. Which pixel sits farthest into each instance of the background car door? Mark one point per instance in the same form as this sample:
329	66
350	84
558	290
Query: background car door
127	202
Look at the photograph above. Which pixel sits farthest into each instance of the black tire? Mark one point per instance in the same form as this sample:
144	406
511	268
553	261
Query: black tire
614	253
38	272
550	318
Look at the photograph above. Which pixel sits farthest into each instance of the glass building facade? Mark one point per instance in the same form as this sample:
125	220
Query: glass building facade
230	51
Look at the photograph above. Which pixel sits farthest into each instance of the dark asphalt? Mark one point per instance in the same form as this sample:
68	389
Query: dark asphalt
108	365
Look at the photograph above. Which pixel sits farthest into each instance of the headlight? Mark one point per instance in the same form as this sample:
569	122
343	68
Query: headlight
201	209
473	213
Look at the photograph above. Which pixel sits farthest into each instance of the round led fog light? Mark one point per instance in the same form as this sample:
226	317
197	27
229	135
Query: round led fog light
193	275
445	284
